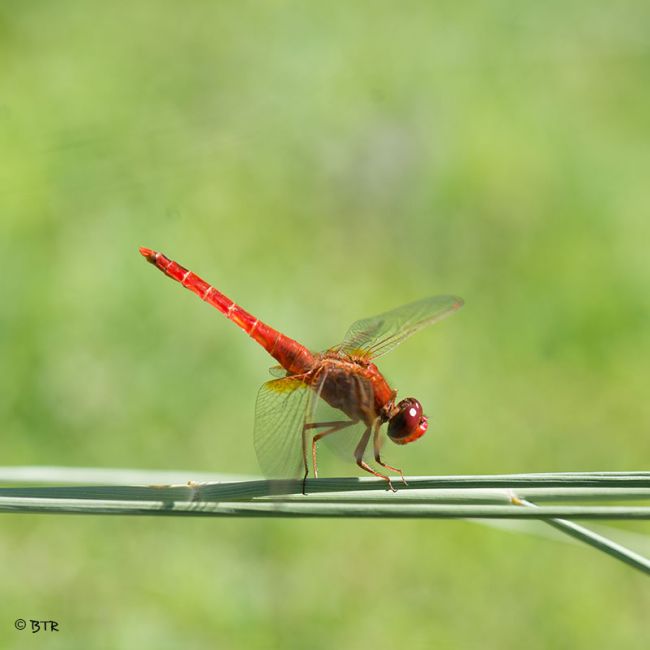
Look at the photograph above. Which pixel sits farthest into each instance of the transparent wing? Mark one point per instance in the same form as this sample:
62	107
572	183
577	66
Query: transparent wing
372	337
277	371
280	411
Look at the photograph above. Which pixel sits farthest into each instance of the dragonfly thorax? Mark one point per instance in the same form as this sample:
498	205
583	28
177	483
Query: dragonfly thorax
359	390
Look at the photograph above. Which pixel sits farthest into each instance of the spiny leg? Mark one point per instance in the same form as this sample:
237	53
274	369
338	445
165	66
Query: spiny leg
358	456
304	458
376	448
334	426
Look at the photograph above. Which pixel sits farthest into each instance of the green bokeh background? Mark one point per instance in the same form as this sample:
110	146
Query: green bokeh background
320	163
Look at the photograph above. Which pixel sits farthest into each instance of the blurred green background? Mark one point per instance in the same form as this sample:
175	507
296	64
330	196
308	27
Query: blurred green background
320	163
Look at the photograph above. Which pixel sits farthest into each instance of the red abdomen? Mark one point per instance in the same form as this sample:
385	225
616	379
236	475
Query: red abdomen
291	355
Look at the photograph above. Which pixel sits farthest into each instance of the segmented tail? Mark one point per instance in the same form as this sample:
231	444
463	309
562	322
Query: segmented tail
294	357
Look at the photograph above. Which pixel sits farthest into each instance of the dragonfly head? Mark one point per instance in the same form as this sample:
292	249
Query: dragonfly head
408	423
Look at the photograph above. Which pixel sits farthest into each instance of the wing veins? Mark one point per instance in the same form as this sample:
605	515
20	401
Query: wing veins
377	335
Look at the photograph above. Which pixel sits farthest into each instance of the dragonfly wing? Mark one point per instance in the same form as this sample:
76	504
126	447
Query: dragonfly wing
280	411
372	337
277	371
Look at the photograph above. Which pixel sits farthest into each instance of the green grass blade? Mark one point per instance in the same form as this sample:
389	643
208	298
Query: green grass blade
597	541
267	508
487	497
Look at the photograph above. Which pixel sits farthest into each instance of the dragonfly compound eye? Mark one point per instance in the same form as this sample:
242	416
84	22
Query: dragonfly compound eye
408	424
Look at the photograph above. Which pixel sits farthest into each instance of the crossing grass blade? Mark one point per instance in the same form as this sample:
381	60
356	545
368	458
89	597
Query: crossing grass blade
599	542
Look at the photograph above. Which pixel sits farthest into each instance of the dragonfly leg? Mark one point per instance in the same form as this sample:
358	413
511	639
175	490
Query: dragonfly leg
335	426
304	459
376	448
358	456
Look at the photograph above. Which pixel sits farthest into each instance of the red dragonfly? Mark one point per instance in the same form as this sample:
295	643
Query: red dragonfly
344	377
